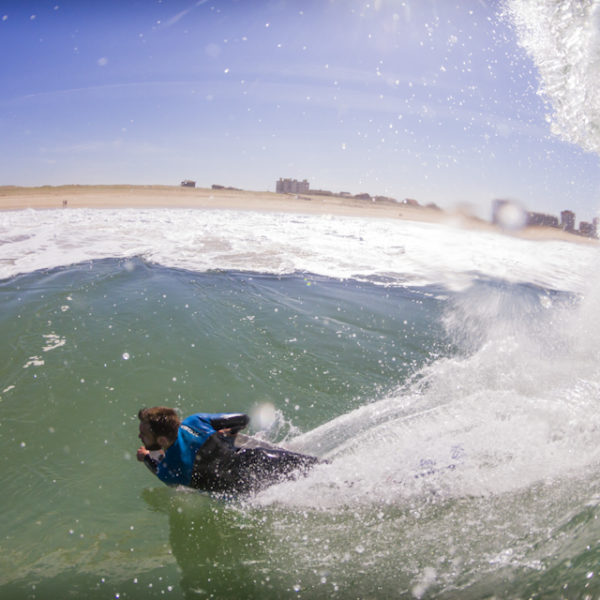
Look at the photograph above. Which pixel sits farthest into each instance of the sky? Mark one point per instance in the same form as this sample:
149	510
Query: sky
426	99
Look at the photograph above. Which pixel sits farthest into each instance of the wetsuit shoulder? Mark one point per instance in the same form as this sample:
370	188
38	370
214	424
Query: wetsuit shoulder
234	421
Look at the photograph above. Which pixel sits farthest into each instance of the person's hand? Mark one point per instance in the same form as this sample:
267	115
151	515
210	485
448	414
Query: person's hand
226	432
142	453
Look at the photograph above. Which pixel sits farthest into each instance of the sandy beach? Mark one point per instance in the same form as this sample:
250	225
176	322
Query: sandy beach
156	196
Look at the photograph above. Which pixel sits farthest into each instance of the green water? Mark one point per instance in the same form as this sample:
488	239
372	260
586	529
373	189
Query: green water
85	347
121	335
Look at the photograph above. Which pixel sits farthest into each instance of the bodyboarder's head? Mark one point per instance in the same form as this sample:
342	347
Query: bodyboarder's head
158	427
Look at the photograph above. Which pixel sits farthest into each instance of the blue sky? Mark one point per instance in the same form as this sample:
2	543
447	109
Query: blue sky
425	99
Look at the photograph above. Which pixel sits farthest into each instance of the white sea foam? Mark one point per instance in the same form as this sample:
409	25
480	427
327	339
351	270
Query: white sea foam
517	411
390	251
53	341
515	408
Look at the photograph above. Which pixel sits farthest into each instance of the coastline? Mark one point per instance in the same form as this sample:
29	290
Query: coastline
158	196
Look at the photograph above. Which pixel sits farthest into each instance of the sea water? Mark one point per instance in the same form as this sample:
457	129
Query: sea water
449	377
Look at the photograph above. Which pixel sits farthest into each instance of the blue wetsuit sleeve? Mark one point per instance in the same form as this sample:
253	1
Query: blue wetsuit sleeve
233	421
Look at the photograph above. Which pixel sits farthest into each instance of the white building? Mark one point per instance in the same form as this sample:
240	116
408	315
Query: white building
291	186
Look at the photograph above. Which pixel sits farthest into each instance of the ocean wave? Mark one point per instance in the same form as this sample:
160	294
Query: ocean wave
380	251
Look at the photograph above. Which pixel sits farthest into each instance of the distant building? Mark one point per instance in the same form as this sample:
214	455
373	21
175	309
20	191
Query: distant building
541	220
217	186
567	220
588	229
291	186
188	183
505	211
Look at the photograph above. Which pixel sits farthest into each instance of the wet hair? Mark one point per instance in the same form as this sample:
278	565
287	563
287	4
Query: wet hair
162	421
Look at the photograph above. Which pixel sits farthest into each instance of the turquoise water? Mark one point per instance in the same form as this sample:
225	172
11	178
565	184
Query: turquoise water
460	427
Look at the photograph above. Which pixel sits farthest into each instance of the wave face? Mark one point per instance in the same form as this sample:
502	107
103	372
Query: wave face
458	423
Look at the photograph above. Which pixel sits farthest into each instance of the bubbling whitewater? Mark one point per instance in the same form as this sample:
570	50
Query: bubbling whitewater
384	251
518	408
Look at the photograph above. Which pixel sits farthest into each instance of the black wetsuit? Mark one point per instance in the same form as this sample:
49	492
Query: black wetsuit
204	459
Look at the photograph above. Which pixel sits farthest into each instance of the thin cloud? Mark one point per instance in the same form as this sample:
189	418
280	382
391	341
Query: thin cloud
176	18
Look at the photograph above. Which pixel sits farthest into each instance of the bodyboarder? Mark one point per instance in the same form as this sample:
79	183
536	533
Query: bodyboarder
201	452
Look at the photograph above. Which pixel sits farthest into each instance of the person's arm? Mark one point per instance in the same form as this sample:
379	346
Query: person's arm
232	422
144	456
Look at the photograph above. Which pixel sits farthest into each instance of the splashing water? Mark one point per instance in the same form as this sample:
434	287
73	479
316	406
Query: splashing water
563	39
